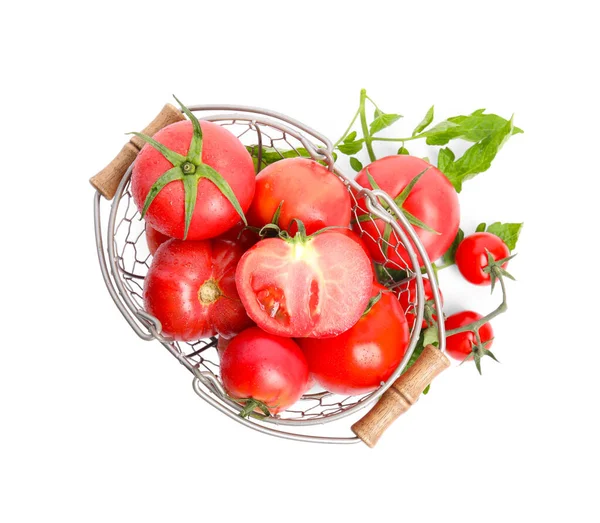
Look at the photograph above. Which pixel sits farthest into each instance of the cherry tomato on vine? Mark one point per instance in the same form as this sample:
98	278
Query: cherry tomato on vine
432	201
358	360
460	345
309	192
263	369
472	258
408	298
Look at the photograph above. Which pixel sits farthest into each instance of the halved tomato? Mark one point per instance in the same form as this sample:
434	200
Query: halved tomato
316	286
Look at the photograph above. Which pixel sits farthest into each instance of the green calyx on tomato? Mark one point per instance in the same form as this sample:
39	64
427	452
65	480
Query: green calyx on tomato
249	407
190	170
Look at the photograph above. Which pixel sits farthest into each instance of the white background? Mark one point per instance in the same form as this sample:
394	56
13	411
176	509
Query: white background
97	425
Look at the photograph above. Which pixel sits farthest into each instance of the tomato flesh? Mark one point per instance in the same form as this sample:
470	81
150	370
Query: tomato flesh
190	287
358	360
268	368
318	287
213	213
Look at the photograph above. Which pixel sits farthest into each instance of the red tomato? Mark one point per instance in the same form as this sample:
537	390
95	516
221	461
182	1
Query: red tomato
190	288
222	344
260	366
471	256
309	192
213	213
358	360
460	345
239	234
154	239
316	287
432	200
408	298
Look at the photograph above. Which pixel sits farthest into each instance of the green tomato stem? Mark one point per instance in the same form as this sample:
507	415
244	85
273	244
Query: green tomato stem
347	129
365	128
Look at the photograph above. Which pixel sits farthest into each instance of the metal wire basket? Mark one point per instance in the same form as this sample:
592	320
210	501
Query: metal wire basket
124	261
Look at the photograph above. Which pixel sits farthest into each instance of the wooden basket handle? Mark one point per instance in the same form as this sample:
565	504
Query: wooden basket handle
108	179
403	393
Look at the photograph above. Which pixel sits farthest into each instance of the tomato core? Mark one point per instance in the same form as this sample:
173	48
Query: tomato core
209	292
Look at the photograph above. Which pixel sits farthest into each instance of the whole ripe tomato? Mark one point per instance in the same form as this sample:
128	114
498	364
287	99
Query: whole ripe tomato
460	345
471	256
241	235
154	239
408	297
190	288
260	366
305	286
222	344
213	214
358	360
309	192
432	200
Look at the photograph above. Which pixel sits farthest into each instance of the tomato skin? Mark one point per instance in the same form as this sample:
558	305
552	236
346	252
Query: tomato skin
460	345
213	213
265	367
181	276
154	239
309	191
318	287
471	256
432	200
245	238
358	360
407	296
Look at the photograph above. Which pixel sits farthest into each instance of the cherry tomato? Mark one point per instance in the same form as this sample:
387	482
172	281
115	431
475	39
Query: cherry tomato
432	200
309	192
408	297
471	256
460	345
264	367
358	360
190	288
154	239
213	213
317	286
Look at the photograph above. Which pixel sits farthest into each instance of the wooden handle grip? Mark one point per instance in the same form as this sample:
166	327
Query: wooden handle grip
403	393
108	179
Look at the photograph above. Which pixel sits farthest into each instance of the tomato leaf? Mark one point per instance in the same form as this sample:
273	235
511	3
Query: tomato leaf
355	164
403	150
351	147
206	171
382	121
445	159
449	256
507	232
350	138
480	227
430	336
425	122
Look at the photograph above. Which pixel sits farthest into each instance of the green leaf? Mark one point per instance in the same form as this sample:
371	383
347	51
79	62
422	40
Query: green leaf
351	147
416	353
382	121
403	150
271	155
377	113
449	256
430	336
372	302
350	138
175	158
355	164
276	214
480	227
170	176
424	122
426	389
445	159
507	232
190	186
206	171
195	150
473	128
478	157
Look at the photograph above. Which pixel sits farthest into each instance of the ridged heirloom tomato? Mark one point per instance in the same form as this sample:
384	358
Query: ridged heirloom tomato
309	192
190	288
222	167
315	286
261	368
358	360
432	201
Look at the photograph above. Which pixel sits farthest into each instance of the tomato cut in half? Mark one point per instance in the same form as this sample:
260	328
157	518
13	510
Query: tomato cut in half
360	359
431	201
316	286
190	287
309	192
